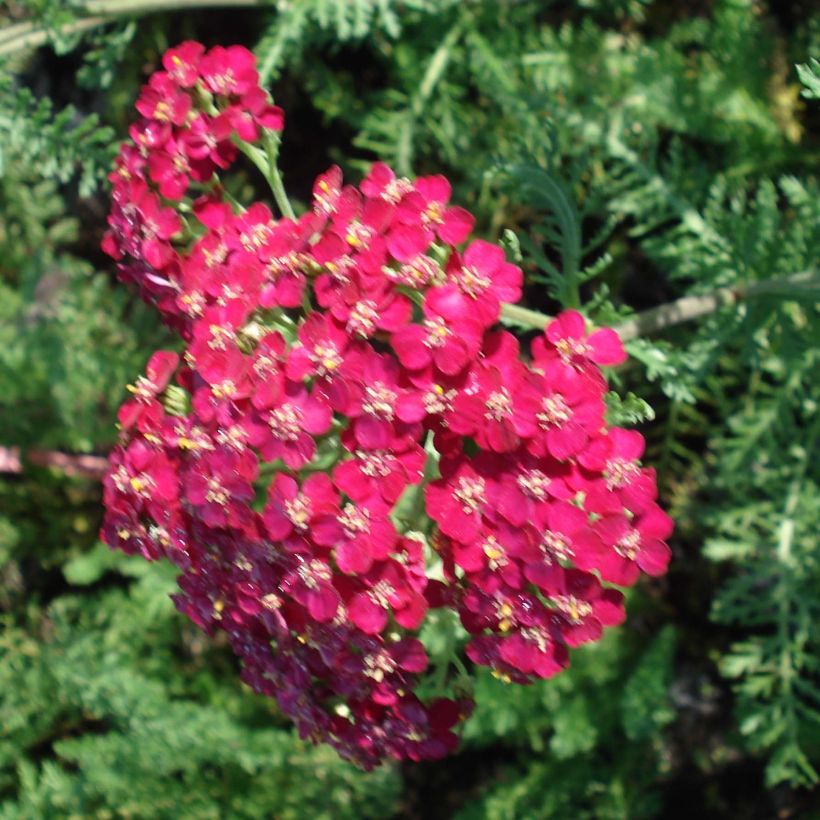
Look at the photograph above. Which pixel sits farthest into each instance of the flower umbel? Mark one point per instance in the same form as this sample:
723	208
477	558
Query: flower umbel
359	445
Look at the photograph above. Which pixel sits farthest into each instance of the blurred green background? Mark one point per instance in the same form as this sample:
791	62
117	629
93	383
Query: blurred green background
648	149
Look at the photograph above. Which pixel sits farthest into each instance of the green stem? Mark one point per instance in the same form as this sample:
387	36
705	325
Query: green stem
274	177
415	296
146	6
444	659
24	35
687	308
459	664
33	35
265	161
530	319
233	202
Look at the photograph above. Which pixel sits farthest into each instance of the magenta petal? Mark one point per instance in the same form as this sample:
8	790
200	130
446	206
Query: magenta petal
617	570
129	413
409	346
609	610
586	540
463	527
586	632
166	484
452	358
602	501
547	577
456	226
366	614
567	518
161	366
372	434
654	557
384	537
502	437
406	242
412	616
323	603
392	486
640	492
434	188
410	407
519	653
411	656
327	531
272	117
317	417
508	283
612	529
299	453
566	441
353	557
551	663
568	325
299	364
607	348
276	523
396	315
627	444
655	523
508	502
289	291
468	556
349	479
484	255
447	301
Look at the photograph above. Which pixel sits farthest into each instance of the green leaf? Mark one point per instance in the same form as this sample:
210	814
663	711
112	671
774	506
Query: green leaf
809	75
88	567
645	706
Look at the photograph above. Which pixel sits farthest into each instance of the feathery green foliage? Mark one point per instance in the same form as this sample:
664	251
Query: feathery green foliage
62	145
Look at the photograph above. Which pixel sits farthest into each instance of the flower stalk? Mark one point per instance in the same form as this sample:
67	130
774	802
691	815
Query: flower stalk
805	284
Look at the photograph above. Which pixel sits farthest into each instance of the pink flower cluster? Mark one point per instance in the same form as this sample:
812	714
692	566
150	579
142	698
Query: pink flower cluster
360	444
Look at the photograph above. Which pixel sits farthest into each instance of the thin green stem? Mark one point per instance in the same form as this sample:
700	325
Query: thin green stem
145	6
459	664
687	308
265	161
444	659
30	36
530	319
693	307
232	200
33	35
272	141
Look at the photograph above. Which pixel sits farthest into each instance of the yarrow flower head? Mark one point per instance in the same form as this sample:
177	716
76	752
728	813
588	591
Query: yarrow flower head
346	442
